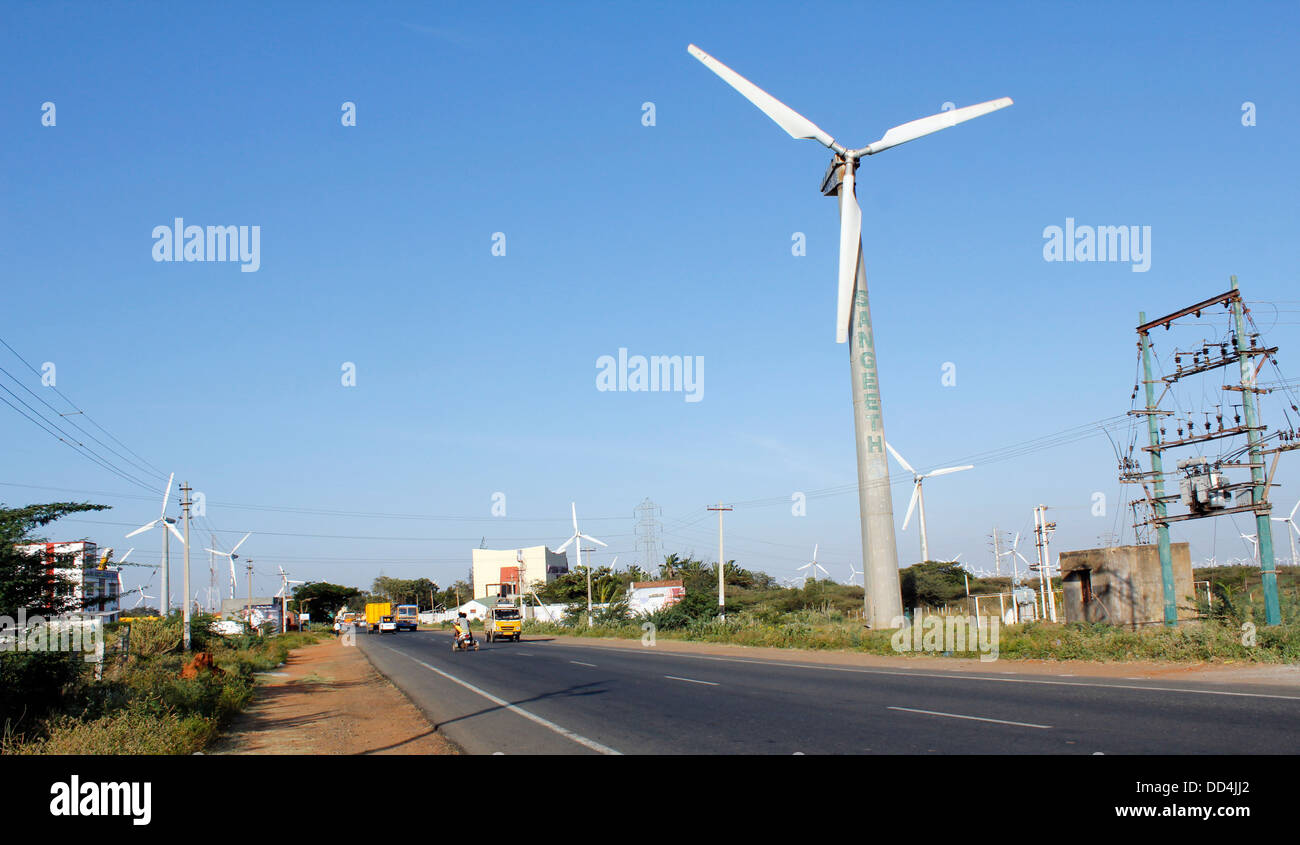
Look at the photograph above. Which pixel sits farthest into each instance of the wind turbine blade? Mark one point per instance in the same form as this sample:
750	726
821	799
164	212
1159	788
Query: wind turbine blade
801	568
904	464
167	495
593	539
127	555
1015	544
241	542
927	125
815	547
916	490
566	543
143	528
948	470
1294	509
795	124
574	506
850	239
175	533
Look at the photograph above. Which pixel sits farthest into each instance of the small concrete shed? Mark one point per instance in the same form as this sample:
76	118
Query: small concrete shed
1122	585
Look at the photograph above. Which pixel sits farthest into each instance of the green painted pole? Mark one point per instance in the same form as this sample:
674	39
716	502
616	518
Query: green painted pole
1158	471
1263	528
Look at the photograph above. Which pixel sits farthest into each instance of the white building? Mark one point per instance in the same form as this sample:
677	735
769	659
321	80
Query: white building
94	590
510	571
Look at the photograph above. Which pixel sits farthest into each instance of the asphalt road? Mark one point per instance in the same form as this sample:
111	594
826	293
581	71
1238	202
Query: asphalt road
548	697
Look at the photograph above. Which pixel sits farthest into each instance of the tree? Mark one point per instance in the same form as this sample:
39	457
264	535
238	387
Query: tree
26	581
322	597
932	583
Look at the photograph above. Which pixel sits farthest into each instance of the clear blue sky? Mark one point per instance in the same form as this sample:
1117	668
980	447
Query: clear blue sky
476	374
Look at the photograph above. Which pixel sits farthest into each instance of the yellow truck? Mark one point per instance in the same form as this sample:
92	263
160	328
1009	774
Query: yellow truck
375	611
502	622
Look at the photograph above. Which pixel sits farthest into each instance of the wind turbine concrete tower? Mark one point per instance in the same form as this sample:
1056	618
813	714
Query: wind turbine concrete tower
883	600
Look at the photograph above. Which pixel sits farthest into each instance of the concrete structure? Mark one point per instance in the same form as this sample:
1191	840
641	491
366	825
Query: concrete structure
529	567
93	589
1122	585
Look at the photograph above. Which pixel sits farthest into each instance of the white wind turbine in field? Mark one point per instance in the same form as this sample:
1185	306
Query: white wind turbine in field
1290	529
578	535
812	566
1254	542
853	316
918	494
854	572
232	557
168	528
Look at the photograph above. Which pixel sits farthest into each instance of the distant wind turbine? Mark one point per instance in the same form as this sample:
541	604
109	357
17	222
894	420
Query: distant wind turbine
918	496
1291	529
578	535
168	528
812	566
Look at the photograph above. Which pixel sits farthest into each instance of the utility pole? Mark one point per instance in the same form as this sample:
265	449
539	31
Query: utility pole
185	580
722	566
1042	528
587	567
1258	494
1158	481
248	609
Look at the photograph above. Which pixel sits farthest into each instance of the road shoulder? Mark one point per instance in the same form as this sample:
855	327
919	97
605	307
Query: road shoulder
328	699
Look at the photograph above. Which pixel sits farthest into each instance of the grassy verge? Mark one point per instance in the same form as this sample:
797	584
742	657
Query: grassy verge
141	705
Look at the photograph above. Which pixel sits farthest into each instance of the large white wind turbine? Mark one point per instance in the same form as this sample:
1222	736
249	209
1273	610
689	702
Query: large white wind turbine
853	316
578	535
232	557
168	528
918	495
1290	530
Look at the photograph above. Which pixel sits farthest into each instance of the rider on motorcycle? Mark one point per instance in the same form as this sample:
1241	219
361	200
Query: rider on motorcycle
461	627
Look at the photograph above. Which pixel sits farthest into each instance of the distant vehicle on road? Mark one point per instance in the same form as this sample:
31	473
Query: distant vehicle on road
502	622
375	611
407	617
387	624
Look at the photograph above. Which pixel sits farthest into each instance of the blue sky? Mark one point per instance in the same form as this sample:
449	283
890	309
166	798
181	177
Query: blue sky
476	373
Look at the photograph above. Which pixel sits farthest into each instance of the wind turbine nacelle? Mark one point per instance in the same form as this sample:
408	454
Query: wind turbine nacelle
834	177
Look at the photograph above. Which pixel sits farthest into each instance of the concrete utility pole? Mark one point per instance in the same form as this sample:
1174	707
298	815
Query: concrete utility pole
1263	529
587	567
1042	528
185	580
722	566
248	609
1158	481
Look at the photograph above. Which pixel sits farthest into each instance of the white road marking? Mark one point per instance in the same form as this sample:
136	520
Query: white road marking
948	676
973	718
690	680
580	663
546	723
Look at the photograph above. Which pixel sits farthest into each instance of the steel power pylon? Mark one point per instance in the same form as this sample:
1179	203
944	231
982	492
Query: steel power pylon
1203	488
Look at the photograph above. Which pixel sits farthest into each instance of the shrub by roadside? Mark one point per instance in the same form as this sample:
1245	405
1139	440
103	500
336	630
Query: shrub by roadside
141	705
